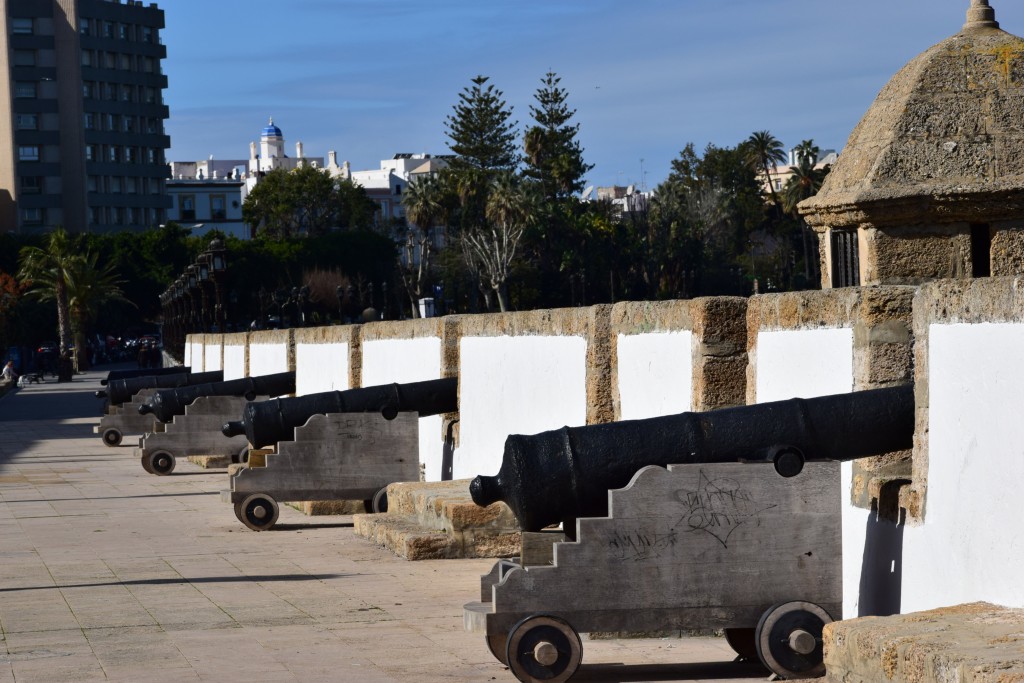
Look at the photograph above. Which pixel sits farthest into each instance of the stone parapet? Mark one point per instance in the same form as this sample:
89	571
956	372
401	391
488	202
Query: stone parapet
973	643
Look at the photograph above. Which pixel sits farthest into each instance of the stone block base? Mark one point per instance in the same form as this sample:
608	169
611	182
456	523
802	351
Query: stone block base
209	461
439	520
973	643
312	508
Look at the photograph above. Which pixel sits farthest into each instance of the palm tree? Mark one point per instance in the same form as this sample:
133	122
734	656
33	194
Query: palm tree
425	205
764	151
804	183
511	206
90	286
46	270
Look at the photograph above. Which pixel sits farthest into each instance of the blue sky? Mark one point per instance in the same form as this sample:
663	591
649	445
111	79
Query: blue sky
369	78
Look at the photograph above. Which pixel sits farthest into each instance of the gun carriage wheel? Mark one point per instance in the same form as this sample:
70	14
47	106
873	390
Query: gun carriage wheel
112	437
379	502
158	462
789	639
241	456
259	512
543	648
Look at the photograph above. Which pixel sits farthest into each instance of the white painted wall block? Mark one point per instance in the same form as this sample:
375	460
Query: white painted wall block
655	374
516	385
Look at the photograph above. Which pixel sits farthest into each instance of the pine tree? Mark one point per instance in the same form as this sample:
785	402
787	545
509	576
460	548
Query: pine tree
553	155
480	131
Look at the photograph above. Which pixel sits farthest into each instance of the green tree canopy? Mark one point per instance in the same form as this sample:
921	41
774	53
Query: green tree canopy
305	201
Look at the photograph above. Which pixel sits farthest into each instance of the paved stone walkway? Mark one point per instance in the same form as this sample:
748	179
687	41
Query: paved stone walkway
110	573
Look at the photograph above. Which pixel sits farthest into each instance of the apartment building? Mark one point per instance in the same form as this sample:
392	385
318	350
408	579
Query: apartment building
82	130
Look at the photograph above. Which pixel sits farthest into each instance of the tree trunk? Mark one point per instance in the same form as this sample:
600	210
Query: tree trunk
63	315
499	291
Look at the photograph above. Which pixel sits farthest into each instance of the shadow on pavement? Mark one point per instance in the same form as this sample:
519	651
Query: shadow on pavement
620	673
181	581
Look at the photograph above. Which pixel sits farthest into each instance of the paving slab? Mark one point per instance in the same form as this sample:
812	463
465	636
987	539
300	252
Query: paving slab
108	573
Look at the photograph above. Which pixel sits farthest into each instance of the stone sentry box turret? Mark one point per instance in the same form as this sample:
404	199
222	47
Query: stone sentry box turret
930	183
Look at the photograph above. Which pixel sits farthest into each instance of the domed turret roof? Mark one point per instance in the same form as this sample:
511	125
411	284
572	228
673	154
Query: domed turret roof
944	139
271	131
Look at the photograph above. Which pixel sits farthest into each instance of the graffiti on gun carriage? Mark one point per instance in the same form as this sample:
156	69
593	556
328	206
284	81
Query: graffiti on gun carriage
638	545
718	507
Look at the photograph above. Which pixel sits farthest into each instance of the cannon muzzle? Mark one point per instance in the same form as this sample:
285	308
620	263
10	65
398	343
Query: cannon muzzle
166	403
100	394
267	422
560	475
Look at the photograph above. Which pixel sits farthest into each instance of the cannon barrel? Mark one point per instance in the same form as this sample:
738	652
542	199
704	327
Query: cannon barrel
560	475
164	404
121	390
267	422
143	372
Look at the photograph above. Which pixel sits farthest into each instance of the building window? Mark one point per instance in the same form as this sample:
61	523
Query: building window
122	31
27	121
108	29
116	216
31	184
89	120
24	58
83	27
115	184
88	90
130	185
28	153
90	152
147	34
187	207
22	26
150	155
150	96
113	153
126	62
845	259
24	90
129	155
218	207
93	184
148	65
129	124
87	58
32	216
109	60
126	93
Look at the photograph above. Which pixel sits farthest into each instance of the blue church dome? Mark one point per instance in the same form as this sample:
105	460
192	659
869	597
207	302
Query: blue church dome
271	131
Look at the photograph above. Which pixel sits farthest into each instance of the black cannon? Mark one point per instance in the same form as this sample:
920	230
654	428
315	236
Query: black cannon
144	372
267	422
560	475
121	390
164	404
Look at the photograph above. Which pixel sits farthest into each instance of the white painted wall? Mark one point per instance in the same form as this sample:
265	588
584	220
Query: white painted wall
410	360
321	367
515	385
971	545
211	357
805	364
198	361
234	361
266	359
655	374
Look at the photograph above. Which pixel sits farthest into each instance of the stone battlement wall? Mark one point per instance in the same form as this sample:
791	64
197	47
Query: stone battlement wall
527	372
